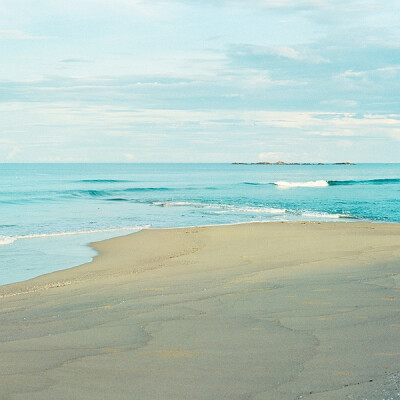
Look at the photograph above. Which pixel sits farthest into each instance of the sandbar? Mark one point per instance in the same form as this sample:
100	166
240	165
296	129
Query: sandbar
252	311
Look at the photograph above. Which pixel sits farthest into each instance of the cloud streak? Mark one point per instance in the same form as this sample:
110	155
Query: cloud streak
15	34
218	78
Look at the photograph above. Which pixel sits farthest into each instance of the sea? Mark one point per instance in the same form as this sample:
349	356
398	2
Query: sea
49	213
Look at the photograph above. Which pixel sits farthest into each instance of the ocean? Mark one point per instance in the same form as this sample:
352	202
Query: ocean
50	212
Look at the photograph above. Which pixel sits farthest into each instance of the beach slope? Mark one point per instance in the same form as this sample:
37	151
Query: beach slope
251	311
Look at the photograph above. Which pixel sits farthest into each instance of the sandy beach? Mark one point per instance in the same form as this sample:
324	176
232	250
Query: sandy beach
251	311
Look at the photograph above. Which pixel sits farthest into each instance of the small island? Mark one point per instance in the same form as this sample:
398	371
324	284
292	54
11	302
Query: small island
291	163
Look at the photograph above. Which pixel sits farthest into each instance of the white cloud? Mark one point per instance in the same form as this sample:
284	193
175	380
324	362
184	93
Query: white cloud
63	125
272	156
344	133
389	72
13	153
257	80
395	134
287	52
129	156
300	53
93	8
321	5
340	103
121	118
287	4
15	34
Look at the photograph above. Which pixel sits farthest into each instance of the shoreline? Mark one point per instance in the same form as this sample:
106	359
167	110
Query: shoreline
268	310
148	227
96	245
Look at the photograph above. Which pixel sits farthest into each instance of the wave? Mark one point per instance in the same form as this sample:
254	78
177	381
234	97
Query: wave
147	189
103	180
179	204
257	210
255	183
19	201
318	215
117	199
107	193
325	183
85	193
5	240
390	181
284	184
220	208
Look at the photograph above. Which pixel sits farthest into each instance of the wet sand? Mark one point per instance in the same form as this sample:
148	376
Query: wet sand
252	311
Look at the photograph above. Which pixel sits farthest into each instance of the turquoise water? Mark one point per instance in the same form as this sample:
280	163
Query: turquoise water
49	212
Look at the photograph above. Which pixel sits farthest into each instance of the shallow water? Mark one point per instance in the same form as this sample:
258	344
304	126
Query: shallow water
49	212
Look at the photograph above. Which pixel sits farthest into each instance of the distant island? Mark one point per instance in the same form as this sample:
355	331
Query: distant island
285	163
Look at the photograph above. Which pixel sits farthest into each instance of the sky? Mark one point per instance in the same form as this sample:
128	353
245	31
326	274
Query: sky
199	81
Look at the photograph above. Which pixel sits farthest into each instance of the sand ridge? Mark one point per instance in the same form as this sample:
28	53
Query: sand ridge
250	311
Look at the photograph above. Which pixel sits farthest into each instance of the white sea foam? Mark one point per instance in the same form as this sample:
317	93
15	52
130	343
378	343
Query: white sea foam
221	208
4	240
177	204
264	210
322	215
285	184
250	210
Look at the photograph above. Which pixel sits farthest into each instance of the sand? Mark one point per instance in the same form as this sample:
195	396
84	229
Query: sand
252	311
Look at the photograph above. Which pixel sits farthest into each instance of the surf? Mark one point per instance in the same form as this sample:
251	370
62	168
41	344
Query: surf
388	181
6	240
284	184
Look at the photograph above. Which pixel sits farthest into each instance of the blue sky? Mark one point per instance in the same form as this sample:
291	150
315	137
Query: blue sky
199	81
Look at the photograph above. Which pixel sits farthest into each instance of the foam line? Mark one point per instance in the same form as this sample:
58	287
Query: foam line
5	240
284	184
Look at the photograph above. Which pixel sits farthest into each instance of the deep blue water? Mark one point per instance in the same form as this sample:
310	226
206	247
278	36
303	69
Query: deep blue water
48	212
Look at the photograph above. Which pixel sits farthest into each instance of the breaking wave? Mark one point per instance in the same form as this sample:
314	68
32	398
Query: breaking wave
255	183
5	240
253	210
179	204
390	181
325	183
147	189
103	180
323	215
220	208
210	208
285	184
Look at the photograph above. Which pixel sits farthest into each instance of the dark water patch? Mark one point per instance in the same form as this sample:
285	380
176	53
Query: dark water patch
103	180
147	189
254	183
117	199
390	181
109	193
85	193
18	201
384	181
7	226
97	193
